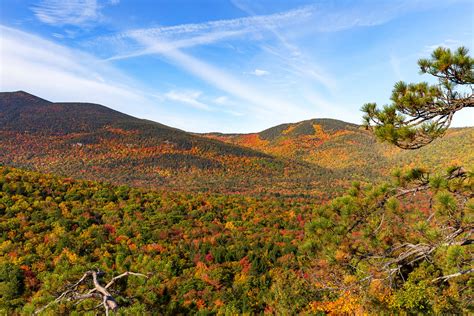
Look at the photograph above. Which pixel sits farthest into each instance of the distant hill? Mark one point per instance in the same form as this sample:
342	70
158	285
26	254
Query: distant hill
339	145
95	142
314	157
87	123
319	141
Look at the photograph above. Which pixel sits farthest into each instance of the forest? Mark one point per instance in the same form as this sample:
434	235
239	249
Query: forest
230	254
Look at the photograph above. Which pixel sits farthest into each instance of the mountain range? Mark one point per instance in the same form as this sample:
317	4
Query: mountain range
314	157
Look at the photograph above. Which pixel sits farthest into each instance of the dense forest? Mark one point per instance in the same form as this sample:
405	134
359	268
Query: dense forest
228	254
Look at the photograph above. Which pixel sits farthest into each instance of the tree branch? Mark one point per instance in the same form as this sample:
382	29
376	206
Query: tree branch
450	276
97	292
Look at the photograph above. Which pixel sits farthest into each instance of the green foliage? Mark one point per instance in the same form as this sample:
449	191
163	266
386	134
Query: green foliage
11	286
418	293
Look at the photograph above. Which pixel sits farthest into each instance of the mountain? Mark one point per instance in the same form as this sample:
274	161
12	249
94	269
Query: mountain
325	142
92	141
337	145
316	157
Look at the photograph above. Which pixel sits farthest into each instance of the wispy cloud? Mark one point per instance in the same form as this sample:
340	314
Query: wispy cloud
67	12
58	73
195	34
221	100
449	43
259	72
228	105
170	42
245	24
292	55
187	97
256	28
217	77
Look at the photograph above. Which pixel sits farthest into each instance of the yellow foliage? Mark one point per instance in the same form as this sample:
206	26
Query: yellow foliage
240	278
349	279
340	255
379	291
64	209
66	253
6	246
346	304
229	225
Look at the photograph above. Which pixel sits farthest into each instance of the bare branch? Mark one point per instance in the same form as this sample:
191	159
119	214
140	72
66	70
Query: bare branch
124	275
97	292
450	276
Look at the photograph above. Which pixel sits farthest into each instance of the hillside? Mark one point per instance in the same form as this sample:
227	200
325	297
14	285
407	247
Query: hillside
316	157
94	142
325	142
200	249
349	148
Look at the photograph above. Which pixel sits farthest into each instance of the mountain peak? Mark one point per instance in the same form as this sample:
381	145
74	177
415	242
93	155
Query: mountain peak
307	127
20	98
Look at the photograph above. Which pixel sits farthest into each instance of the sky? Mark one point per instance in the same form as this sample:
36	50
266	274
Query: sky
233	66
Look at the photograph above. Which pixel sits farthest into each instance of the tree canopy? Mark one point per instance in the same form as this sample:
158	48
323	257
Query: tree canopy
422	112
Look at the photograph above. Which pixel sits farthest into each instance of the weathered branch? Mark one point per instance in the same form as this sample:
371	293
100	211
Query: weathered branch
450	276
123	275
97	292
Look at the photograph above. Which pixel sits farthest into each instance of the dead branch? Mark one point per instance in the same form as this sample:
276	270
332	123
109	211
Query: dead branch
73	293
450	276
123	275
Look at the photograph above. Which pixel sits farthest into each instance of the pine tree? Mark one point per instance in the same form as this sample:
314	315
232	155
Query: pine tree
421	112
406	245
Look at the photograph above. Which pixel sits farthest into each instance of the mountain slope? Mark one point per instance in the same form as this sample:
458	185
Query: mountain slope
327	143
338	145
24	113
92	141
316	157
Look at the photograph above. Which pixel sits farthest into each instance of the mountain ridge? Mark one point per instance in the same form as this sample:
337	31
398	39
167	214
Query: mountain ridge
92	141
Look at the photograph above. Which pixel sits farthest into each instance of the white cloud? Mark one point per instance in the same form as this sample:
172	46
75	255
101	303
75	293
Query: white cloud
395	64
220	79
449	43
221	100
58	73
292	56
67	12
246	24
259	72
189	35
188	98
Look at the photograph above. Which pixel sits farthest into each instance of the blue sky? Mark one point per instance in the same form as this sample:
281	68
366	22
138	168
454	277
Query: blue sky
229	66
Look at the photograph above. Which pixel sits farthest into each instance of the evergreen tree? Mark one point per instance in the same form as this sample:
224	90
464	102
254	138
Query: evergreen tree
406	245
421	112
